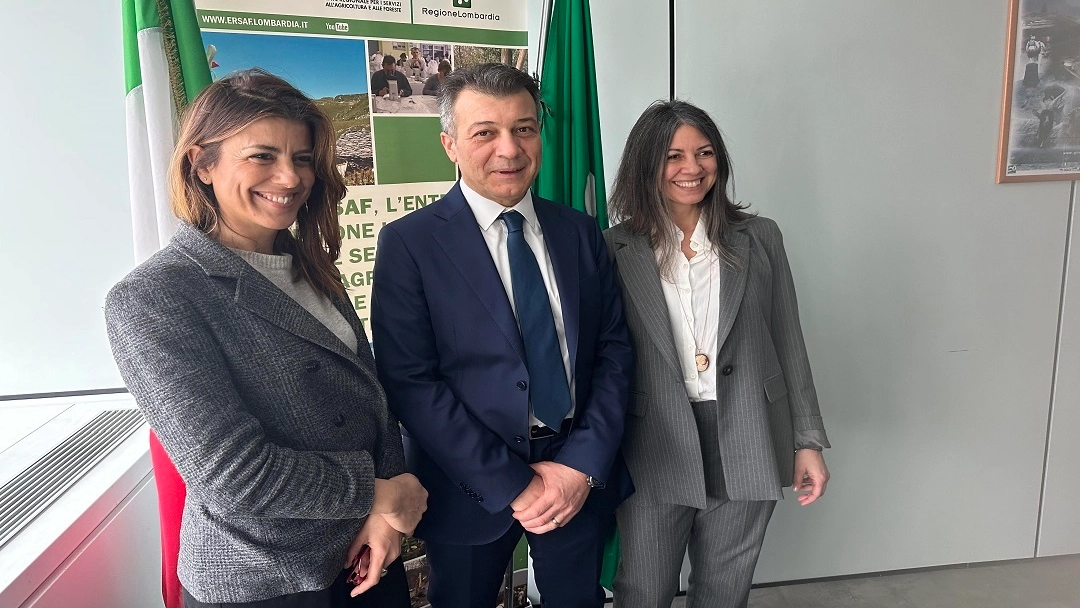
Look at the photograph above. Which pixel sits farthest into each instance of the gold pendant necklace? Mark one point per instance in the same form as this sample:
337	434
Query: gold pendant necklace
701	360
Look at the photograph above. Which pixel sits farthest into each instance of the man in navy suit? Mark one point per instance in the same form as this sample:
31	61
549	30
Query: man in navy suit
473	389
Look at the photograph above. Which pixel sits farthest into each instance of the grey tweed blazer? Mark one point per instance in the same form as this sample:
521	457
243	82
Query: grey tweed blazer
767	402
277	428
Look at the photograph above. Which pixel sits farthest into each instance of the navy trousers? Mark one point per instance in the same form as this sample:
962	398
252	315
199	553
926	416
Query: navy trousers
566	561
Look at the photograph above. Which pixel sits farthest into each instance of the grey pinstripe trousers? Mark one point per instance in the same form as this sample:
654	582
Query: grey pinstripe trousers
724	539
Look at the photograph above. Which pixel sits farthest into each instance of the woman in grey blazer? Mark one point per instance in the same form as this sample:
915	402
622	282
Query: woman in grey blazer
723	411
242	351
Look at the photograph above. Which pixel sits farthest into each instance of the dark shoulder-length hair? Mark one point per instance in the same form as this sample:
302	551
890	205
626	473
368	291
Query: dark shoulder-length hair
225	108
637	194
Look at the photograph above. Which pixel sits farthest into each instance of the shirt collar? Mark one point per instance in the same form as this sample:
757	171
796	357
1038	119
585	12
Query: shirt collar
488	211
699	240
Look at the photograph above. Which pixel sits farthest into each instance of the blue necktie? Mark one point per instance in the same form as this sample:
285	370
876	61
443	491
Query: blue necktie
549	393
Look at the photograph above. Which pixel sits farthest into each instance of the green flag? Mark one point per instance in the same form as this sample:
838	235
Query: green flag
572	171
165	66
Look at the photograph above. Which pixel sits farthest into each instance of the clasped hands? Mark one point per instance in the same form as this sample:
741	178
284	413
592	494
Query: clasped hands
399	502
552	498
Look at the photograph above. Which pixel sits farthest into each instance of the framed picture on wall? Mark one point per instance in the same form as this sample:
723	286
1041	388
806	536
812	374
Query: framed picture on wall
1040	118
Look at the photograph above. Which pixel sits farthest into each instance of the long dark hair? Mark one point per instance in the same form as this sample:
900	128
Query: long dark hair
225	108
637	195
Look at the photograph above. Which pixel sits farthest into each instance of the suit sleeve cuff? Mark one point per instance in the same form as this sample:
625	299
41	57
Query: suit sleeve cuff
813	439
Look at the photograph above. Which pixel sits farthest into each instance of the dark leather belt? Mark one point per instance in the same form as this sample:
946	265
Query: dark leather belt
541	432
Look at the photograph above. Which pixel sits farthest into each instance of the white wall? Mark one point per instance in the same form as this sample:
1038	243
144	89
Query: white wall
632	68
65	236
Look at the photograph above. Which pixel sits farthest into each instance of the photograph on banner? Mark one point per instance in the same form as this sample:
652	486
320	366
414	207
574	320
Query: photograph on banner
431	53
397	84
329	70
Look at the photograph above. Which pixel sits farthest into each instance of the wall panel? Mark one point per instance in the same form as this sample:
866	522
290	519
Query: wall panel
1059	529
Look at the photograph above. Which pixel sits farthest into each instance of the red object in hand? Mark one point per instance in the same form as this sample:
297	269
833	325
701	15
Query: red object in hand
355	577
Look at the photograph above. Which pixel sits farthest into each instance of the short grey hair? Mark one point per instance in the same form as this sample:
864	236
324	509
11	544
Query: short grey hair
494	79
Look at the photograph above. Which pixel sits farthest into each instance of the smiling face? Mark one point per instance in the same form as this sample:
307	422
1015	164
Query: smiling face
263	174
496	144
689	170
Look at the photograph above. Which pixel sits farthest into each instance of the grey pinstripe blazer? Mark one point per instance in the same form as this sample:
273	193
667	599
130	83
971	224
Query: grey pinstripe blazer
277	428
767	402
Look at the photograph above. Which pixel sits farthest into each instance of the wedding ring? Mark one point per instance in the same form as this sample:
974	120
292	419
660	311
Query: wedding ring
556	522
383	572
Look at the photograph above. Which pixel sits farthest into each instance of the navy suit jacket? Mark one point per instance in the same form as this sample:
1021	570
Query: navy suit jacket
450	356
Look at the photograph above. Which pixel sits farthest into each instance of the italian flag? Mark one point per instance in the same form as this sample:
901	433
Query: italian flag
165	66
572	171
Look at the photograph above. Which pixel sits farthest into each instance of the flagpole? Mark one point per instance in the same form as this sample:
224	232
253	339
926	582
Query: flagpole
545	23
671	49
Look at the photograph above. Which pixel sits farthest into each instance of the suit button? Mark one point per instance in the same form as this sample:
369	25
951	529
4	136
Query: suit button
479	499
519	439
522	385
727	370
463	486
311	367
339	420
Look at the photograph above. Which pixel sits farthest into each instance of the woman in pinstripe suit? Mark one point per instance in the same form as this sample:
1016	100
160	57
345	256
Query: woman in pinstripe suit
724	411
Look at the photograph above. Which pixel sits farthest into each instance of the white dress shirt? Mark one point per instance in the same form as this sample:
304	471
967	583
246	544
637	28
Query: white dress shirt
693	303
487	213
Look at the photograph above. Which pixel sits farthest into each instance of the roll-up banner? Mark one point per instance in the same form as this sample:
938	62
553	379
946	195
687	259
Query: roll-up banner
388	139
339	53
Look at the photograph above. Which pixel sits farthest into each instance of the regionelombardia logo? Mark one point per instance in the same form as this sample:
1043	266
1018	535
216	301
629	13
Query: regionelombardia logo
462	3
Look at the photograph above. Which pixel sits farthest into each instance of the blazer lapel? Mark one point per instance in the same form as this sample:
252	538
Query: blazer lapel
257	294
363	343
463	244
641	276
561	240
732	284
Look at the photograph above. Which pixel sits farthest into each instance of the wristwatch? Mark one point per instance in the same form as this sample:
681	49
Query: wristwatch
593	482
